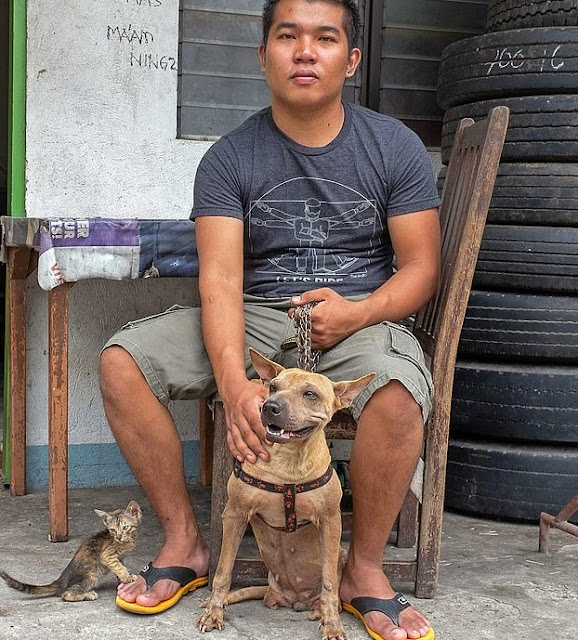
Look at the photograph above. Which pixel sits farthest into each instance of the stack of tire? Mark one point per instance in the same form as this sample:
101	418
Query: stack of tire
514	425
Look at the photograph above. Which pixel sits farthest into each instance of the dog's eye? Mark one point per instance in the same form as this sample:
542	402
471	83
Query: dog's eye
272	388
310	394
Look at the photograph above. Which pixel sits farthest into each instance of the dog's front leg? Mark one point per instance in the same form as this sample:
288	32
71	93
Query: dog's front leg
330	539
234	525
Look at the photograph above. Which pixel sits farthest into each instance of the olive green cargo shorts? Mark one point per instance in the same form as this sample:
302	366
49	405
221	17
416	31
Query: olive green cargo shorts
169	350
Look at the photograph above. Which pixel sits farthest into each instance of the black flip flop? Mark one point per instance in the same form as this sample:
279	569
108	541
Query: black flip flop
186	577
391	607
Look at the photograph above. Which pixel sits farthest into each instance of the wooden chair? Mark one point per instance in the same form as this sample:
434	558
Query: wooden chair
466	196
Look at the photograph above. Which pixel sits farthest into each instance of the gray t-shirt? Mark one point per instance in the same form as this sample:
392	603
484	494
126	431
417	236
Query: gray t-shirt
316	217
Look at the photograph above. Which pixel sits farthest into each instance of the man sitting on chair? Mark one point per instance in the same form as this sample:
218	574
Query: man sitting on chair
309	199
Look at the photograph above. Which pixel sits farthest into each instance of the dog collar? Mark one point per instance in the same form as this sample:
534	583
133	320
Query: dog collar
289	491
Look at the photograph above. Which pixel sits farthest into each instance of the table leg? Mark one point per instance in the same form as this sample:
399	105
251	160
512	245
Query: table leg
58	412
17	270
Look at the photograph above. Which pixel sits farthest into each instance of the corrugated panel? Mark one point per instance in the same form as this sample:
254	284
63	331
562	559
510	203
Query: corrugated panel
220	81
414	34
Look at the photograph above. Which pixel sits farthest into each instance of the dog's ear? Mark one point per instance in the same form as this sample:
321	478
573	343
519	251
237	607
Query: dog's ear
267	369
347	391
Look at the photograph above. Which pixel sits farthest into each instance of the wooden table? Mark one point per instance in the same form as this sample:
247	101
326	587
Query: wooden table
64	251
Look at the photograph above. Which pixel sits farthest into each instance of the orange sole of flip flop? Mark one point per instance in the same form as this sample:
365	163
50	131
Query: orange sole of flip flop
430	635
133	607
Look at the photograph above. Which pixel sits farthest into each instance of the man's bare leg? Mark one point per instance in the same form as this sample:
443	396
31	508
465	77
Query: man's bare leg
148	438
387	446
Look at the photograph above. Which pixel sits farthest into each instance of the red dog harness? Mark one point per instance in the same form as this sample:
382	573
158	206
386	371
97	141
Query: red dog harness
289	491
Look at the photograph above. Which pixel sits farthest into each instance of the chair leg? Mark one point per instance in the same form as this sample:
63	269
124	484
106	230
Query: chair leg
206	443
429	547
428	557
407	522
222	468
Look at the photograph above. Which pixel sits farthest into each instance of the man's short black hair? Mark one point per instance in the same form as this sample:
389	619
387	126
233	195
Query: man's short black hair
352	20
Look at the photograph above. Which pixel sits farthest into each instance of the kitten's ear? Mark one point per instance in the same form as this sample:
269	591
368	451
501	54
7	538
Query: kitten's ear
103	515
134	510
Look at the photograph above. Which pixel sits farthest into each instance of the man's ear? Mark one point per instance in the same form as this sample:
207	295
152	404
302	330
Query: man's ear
267	369
353	62
261	54
347	391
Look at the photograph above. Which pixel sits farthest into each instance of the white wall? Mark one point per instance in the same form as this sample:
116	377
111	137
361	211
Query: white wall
101	130
101	141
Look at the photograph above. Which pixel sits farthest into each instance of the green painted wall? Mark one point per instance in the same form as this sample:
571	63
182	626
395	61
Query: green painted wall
16	160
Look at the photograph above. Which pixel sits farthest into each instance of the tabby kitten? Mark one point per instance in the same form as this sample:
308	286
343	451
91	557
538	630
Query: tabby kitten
95	557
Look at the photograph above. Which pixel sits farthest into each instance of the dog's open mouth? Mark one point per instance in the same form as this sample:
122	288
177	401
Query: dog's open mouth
277	434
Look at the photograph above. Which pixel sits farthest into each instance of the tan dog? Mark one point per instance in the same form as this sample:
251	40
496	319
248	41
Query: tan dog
292	502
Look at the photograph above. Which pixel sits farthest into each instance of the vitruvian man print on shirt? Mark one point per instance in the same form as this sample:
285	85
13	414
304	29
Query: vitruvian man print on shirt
318	227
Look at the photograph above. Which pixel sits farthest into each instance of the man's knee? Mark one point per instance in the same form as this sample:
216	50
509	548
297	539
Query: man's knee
118	371
395	409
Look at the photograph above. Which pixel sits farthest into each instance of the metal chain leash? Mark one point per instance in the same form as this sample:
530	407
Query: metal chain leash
307	358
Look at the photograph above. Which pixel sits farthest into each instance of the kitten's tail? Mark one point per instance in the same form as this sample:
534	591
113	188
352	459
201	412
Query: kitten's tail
52	589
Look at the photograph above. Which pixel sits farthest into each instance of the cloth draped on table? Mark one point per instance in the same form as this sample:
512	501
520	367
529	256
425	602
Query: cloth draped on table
72	249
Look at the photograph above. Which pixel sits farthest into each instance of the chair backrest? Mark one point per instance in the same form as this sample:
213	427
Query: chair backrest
466	197
468	188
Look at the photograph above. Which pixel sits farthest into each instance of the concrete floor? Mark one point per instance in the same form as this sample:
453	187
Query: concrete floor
493	582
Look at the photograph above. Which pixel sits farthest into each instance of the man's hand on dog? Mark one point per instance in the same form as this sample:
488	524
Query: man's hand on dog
332	319
246	436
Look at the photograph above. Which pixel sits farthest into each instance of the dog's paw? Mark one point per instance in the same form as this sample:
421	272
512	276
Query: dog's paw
212	618
333	630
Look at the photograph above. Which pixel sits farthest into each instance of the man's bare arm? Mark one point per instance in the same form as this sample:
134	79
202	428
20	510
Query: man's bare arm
220	250
416	244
